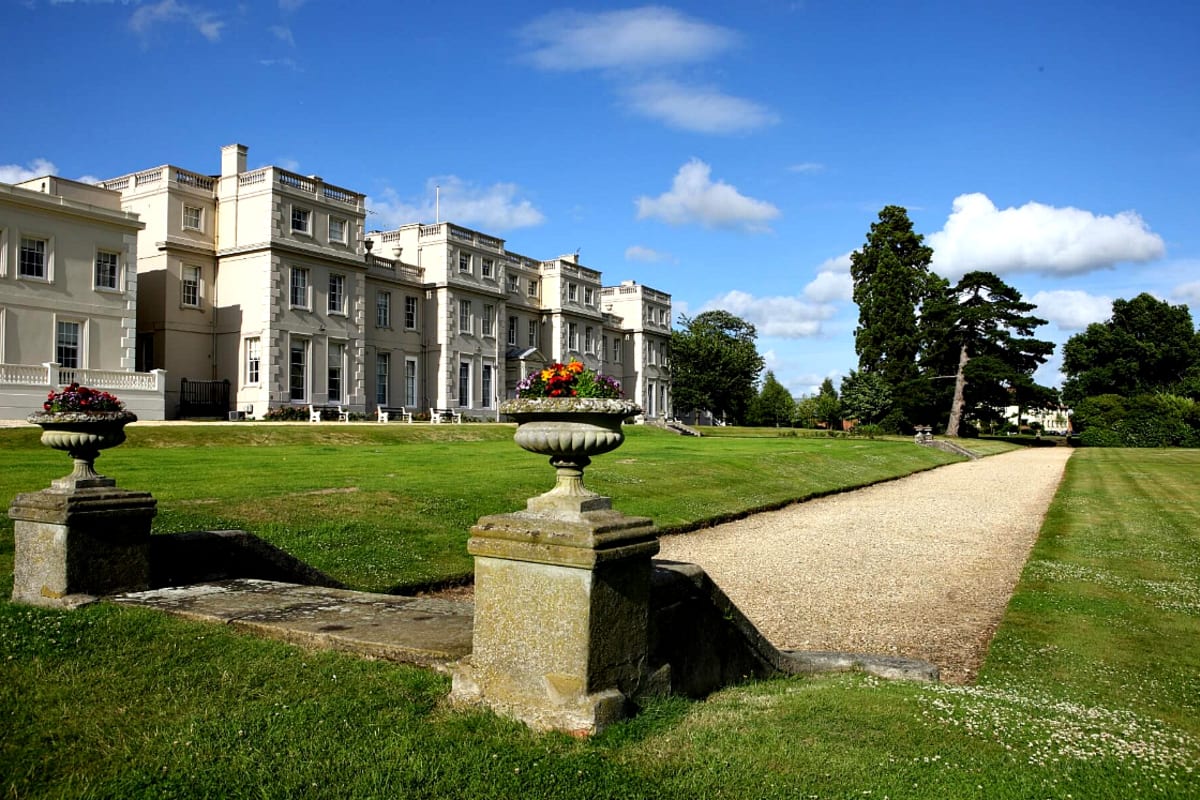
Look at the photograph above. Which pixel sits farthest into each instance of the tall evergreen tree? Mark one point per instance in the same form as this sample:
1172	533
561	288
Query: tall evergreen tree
892	281
981	331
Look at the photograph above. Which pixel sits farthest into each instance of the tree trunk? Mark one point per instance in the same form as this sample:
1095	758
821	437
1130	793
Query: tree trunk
960	383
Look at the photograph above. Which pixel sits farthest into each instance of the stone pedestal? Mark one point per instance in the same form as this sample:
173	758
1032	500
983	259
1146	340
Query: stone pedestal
76	544
561	615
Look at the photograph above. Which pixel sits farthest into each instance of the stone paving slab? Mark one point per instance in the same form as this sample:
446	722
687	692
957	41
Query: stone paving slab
431	632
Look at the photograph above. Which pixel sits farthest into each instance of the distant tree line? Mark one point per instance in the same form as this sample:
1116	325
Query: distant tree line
954	356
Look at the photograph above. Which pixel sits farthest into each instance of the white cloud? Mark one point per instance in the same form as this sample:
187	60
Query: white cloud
1038	238
171	11
836	264
1072	310
15	173
637	37
702	110
1189	293
807	167
639	253
694	198
830	286
777	317
492	209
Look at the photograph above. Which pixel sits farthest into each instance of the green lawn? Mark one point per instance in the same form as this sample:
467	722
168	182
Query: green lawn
383	507
1090	690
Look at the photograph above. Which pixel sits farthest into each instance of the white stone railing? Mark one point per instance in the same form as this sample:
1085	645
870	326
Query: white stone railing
148	176
314	186
396	268
251	178
23	387
193	179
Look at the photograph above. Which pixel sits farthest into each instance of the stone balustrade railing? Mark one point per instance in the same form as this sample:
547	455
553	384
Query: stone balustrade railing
23	387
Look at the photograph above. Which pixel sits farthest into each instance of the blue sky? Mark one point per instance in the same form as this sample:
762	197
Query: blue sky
731	154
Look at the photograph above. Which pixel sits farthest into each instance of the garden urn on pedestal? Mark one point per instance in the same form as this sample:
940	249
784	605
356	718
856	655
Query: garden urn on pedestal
561	588
83	537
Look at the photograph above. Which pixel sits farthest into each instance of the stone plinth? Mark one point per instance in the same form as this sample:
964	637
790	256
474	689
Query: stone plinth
561	617
75	545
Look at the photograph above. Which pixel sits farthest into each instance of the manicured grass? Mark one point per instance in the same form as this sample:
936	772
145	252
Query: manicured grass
1090	691
381	507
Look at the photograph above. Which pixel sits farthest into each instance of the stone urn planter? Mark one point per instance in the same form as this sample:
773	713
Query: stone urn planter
570	430
83	435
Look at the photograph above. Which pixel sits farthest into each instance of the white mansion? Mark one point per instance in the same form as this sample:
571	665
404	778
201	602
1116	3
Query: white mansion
269	280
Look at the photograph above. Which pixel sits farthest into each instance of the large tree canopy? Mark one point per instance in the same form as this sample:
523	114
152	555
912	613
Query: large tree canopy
981	331
714	365
1146	346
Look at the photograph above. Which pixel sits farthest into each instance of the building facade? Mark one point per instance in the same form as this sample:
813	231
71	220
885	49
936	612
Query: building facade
268	280
68	296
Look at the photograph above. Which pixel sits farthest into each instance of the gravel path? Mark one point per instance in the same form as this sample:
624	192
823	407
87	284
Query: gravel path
921	567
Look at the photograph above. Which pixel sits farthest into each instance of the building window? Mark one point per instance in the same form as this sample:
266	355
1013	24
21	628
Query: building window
337	230
383	362
489	312
589	339
618	346
410	382
572	293
487	266
191	286
410	312
298	370
533	288
464	316
337	294
301	220
464	384
533	330
514	283
512	331
107	267
299	287
485	398
604	349
253	359
67	344
464	261
32	260
383	310
193	218
589	296
572	336
337	368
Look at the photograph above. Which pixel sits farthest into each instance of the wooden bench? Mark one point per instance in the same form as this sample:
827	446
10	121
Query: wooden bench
383	414
438	415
